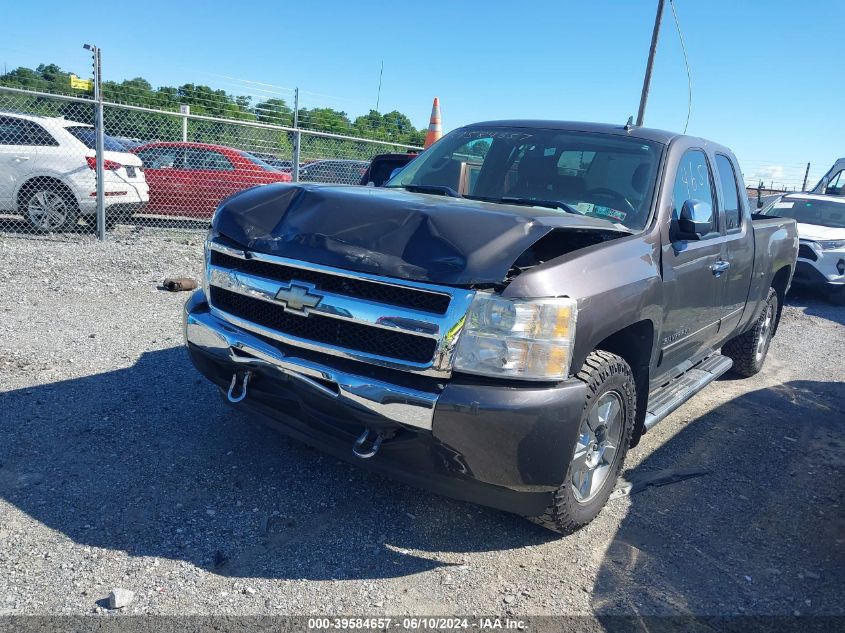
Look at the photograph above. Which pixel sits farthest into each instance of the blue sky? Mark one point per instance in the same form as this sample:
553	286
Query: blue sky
766	76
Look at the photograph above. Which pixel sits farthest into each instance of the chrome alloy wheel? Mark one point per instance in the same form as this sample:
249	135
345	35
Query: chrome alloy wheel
765	333
47	210
598	442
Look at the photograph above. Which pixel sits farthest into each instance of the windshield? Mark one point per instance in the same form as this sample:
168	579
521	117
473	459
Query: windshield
86	135
820	212
599	175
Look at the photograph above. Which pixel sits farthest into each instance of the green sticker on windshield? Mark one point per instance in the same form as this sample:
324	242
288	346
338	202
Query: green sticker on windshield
596	209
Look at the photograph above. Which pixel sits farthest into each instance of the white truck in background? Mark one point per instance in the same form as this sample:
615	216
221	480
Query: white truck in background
833	182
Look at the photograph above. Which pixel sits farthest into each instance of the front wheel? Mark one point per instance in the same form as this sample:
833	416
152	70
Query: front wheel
603	436
748	350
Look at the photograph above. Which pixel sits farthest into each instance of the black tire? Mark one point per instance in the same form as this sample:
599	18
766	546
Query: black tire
603	373
48	206
748	350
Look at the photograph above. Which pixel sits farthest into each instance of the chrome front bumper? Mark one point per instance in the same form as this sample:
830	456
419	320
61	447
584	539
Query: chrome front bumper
222	340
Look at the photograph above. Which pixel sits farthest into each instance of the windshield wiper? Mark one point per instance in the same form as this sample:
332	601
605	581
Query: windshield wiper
443	190
529	202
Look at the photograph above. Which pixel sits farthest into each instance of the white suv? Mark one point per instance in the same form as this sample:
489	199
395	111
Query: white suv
821	231
47	173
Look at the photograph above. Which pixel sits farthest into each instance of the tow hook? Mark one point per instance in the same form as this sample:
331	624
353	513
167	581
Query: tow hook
244	383
356	447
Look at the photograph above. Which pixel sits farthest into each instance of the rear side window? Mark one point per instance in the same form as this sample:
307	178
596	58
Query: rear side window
694	181
206	160
22	132
161	158
87	137
727	178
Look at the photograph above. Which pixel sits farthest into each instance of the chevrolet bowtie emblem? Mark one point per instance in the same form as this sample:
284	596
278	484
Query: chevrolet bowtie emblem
297	299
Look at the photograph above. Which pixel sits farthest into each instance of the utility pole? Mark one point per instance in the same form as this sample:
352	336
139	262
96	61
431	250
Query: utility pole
806	173
98	142
650	65
297	136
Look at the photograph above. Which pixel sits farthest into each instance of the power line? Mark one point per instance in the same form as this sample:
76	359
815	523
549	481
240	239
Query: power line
686	62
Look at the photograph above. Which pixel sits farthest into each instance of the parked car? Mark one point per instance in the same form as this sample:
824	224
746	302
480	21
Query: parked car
130	143
384	166
504	319
190	179
347	172
279	163
47	172
821	229
833	182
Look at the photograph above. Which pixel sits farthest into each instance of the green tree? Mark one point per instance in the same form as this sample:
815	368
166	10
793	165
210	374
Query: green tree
50	78
275	111
325	120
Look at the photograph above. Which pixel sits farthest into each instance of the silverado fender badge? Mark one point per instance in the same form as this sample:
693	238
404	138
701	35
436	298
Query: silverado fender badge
668	340
298	299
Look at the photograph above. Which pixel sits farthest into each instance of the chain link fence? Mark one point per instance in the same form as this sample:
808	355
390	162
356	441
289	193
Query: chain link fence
161	169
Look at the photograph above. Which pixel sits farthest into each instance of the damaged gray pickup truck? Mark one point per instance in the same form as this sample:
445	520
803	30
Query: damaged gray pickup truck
505	318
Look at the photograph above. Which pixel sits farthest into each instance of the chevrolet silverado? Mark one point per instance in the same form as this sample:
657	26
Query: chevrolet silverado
502	320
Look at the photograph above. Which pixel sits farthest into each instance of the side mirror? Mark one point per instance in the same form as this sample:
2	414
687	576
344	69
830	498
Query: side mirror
695	221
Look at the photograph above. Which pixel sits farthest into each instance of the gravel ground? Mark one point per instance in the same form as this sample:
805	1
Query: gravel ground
120	467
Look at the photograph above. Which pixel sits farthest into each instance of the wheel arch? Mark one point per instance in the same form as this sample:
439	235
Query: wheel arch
635	344
30	183
780	283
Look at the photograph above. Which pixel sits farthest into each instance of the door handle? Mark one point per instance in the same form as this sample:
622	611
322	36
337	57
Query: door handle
719	267
20	159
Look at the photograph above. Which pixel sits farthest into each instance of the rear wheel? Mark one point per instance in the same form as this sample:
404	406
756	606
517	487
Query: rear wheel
604	434
748	350
49	207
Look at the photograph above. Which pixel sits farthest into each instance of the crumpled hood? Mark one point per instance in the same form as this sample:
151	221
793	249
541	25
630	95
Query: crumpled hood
422	237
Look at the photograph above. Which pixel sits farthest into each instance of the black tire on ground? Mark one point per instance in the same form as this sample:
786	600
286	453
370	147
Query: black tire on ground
603	373
48	206
748	350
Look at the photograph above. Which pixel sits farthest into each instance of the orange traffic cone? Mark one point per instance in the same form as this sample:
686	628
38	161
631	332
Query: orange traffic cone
435	129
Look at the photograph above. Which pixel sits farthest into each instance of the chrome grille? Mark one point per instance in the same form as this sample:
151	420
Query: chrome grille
323	329
396	323
383	293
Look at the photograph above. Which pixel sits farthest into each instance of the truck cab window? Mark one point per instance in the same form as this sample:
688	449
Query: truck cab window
694	181
727	178
836	185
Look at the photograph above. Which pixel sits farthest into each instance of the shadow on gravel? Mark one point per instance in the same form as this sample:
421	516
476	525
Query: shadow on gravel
761	534
149	460
814	303
14	226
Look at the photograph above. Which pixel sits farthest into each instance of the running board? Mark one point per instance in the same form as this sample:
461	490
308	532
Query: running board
667	398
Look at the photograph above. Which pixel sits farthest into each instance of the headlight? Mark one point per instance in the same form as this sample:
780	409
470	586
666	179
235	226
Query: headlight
530	339
828	245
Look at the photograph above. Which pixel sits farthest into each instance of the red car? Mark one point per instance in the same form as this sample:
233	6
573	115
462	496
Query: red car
190	179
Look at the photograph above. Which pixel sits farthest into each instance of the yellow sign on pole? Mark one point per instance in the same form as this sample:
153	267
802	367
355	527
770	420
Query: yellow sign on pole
80	84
